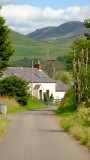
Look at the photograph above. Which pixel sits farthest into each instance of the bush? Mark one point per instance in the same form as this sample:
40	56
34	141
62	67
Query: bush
15	87
68	102
51	96
65	79
84	116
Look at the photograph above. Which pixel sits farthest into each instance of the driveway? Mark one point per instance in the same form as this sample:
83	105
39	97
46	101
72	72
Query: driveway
36	135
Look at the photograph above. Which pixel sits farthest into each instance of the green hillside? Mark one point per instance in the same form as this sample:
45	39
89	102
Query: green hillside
31	48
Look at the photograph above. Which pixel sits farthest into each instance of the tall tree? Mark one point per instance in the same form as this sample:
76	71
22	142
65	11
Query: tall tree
87	25
6	49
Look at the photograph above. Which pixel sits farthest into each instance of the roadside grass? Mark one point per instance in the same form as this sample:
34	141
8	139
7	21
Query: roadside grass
35	104
75	119
77	124
4	122
14	107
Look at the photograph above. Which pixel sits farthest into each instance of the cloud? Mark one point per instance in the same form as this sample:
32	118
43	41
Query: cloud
6	1
25	18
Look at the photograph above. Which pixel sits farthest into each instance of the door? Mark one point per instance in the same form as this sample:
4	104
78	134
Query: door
47	91
40	94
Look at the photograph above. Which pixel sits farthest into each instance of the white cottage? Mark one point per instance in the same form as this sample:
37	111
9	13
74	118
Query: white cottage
39	81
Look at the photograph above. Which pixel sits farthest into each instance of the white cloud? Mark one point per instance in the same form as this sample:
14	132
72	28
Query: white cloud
6	1
25	19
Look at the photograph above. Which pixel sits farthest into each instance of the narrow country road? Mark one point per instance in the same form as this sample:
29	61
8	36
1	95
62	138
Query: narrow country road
36	135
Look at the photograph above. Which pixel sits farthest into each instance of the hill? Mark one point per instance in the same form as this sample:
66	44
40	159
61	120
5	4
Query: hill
29	48
63	29
67	39
62	35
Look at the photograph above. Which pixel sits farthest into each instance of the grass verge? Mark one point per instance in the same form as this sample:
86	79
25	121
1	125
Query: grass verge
3	125
77	125
14	107
35	104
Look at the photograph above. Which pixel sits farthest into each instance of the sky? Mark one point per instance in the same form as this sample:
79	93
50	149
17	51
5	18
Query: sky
25	16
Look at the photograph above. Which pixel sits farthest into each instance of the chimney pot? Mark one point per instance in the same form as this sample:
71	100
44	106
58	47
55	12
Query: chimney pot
38	65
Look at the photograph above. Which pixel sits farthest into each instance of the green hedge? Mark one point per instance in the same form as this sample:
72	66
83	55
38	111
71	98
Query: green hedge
15	87
68	102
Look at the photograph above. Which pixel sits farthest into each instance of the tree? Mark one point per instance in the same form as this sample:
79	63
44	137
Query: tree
87	25
15	87
78	62
77	45
6	49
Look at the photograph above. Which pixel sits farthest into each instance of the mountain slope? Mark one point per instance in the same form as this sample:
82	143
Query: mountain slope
67	39
31	48
63	29
39	32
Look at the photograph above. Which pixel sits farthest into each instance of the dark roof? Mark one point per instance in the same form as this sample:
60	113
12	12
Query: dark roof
26	73
60	86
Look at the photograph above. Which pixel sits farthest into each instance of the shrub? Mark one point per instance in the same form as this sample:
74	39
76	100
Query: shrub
15	87
45	97
51	96
84	116
68	102
65	79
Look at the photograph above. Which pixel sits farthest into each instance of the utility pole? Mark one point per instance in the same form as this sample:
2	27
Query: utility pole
47	53
51	60
32	82
53	65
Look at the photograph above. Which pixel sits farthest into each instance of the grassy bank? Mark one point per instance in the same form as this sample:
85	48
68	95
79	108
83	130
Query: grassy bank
14	107
35	104
3	125
75	120
78	125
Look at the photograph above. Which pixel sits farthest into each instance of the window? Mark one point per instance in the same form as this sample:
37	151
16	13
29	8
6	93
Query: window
40	75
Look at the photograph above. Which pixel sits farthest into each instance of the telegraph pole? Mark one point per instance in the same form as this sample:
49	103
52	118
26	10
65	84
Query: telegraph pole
53	65
51	60
47	53
32	82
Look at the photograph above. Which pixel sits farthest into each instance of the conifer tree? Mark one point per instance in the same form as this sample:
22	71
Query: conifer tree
6	49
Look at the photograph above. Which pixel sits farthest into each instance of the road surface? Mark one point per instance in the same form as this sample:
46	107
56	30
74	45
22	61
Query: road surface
36	135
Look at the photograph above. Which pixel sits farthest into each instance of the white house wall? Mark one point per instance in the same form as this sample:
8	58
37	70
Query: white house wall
59	95
51	88
47	86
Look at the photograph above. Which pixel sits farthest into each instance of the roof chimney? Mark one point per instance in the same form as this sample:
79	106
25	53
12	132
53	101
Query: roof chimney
38	65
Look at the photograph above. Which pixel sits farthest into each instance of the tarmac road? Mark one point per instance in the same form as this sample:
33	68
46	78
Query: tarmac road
36	135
